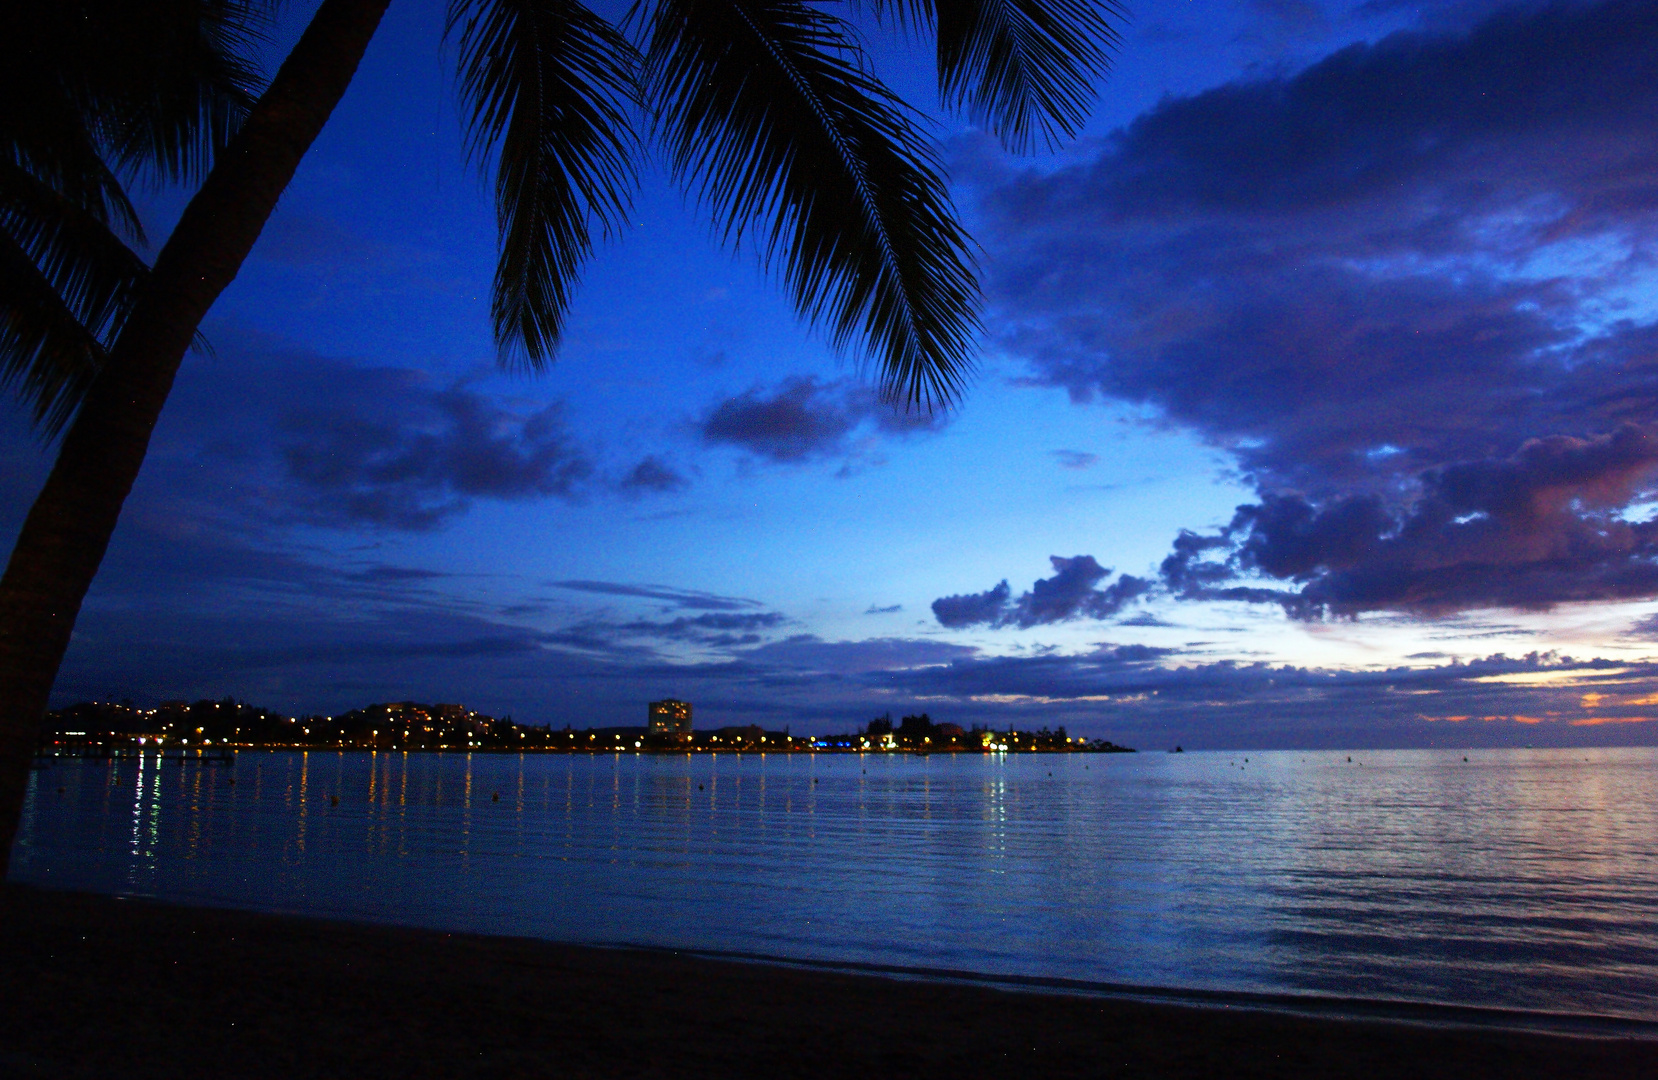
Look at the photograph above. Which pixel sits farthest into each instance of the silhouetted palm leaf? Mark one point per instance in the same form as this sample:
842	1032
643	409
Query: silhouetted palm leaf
768	112
155	87
1025	69
545	84
47	356
82	258
45	134
176	77
68	283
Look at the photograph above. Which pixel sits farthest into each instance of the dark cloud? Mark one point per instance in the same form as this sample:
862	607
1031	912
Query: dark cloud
278	630
191	654
697	627
1075	459
971	609
414	457
682	598
1138	693
890	609
1538	528
807	652
1069	594
1412	277
203	614
719	630
802	419
263	436
397	573
653	475
1645	628
1145	618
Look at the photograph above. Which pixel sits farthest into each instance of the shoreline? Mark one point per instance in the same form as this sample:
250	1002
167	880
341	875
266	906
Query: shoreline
104	986
218	751
1434	1014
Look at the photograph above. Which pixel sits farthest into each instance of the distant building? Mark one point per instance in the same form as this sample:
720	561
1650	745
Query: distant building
670	718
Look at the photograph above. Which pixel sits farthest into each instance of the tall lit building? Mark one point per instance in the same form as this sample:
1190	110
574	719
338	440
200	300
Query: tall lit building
670	717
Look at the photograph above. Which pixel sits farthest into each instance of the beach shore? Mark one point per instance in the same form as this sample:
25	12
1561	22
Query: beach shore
96	986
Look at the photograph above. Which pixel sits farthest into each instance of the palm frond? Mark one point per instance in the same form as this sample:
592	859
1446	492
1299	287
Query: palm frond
175	79
152	87
769	114
66	286
47	357
545	85
157	86
91	270
1024	69
44	133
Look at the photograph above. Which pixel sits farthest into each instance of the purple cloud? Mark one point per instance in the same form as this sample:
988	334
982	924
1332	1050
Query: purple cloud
1406	279
1069	594
1539	528
1075	459
803	420
652	476
971	609
701	627
807	652
680	598
408	457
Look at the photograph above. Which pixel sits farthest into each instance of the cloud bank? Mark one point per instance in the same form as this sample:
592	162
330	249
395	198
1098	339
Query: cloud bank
1069	594
802	419
1409	289
395	452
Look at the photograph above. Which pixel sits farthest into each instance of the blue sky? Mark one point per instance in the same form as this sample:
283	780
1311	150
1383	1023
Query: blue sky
1313	408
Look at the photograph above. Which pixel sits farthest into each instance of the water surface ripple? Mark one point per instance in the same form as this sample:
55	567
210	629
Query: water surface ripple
1521	879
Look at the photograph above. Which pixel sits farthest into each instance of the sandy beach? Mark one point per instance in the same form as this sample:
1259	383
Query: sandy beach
97	986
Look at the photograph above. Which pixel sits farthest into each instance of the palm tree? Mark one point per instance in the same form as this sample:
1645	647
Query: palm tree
91	92
766	110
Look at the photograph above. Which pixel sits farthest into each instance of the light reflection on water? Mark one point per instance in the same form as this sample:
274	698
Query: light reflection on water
1520	878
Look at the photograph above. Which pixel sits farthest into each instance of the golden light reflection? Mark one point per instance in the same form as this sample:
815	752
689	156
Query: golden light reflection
1552	679
304	779
1595	721
1515	719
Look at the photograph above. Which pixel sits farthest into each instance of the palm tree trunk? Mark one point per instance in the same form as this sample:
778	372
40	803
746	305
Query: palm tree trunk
68	529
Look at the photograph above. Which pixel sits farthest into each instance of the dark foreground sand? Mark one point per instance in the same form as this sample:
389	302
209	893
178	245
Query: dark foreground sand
91	986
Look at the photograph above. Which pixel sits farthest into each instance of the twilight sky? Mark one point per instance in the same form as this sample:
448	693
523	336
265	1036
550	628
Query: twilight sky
1317	406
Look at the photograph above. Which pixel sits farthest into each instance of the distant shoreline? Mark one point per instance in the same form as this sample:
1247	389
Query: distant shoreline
103	727
212	752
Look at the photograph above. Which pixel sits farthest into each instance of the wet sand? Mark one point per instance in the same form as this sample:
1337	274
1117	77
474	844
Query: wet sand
93	986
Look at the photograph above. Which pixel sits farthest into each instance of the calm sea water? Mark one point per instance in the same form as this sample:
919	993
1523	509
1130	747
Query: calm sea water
1520	878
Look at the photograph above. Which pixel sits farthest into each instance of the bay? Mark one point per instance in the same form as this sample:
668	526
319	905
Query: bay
1518	878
